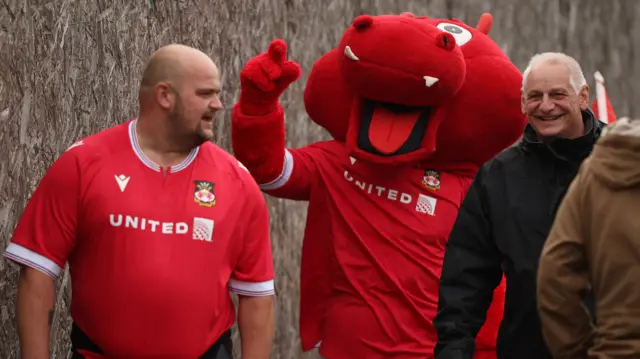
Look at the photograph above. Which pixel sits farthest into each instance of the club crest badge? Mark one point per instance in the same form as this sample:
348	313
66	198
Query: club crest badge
204	195
431	180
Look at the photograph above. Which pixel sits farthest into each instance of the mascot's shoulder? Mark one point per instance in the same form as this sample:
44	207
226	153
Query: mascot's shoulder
327	149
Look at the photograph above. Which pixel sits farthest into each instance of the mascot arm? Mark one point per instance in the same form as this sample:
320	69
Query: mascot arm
259	144
298	175
258	133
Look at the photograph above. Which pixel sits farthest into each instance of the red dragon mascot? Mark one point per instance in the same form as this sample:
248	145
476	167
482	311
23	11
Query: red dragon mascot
415	106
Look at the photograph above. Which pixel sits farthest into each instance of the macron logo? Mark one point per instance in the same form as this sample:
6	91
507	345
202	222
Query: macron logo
122	181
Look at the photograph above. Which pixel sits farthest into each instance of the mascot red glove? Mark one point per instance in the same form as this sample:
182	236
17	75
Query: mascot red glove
262	81
415	106
265	78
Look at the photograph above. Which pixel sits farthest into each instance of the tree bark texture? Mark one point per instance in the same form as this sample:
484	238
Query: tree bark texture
70	68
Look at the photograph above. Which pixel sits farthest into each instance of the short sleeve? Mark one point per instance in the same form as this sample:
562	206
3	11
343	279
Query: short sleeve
253	274
46	231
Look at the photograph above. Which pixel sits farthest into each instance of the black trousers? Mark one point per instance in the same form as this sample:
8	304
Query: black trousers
221	349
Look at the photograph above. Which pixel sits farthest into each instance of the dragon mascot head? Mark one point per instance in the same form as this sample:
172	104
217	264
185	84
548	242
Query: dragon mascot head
406	90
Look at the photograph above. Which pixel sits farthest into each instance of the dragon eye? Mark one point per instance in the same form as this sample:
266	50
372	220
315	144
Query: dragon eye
461	34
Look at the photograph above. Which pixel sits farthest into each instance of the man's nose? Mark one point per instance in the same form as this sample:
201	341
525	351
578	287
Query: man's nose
216	104
547	104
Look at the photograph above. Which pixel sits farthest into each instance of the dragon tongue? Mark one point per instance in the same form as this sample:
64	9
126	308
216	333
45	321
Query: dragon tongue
389	130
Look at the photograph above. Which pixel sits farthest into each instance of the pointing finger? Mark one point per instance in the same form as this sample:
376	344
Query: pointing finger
278	51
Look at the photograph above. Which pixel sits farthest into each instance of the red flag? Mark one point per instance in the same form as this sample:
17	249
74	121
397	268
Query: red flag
603	113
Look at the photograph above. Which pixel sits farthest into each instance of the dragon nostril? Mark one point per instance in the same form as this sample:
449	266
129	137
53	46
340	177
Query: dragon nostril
362	22
446	41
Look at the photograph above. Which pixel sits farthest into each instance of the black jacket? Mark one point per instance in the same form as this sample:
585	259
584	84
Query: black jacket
501	228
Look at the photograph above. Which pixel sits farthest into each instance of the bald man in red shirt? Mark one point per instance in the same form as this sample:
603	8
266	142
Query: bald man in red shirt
157	224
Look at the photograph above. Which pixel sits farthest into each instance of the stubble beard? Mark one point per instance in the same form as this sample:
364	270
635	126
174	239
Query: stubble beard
184	135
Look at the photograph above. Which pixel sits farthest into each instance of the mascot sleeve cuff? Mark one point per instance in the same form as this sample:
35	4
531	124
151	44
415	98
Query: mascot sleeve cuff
246	122
259	143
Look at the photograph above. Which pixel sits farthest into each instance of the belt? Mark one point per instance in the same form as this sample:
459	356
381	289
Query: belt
83	347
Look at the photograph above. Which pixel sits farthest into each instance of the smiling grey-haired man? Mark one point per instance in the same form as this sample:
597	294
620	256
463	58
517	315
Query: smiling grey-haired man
507	214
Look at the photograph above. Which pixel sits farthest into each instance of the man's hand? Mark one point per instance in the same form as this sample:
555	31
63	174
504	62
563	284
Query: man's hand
34	308
255	321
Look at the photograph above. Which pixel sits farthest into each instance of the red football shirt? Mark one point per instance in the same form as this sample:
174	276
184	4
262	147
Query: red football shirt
152	257
372	253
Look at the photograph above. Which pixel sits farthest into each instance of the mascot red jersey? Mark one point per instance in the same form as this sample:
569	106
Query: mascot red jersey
415	106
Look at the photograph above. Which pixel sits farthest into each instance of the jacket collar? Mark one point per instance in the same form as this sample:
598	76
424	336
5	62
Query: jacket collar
575	149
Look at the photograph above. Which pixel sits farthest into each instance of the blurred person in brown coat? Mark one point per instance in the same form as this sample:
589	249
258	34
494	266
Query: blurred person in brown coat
594	244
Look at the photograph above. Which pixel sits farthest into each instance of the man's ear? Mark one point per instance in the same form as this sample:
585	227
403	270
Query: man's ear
522	103
164	95
584	97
